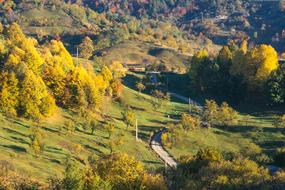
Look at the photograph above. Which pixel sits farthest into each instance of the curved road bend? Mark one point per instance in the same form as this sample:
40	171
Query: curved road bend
156	144
157	147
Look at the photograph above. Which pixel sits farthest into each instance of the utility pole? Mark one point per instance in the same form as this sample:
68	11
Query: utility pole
189	104
137	133
77	54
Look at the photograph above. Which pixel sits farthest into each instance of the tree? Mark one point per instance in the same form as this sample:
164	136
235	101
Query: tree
9	92
109	127
93	126
125	172
227	115
189	122
117	69
158	99
117	87
210	111
140	86
196	61
129	118
280	121
208	169
275	86
34	99
69	126
37	144
86	48
263	60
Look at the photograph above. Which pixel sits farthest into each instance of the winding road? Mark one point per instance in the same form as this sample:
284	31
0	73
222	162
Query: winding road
156	144
157	147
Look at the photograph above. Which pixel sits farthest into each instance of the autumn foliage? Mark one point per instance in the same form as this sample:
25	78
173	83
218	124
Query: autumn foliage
37	78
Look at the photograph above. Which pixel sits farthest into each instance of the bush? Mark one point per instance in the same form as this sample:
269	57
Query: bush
189	122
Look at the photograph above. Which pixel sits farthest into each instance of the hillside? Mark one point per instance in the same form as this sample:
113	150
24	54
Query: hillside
142	95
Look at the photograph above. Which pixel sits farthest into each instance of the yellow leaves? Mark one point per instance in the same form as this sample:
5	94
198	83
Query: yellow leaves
117	70
122	170
263	60
61	56
9	92
35	101
15	34
189	122
254	65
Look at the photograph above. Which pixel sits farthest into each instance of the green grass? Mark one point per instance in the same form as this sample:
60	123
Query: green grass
257	135
14	137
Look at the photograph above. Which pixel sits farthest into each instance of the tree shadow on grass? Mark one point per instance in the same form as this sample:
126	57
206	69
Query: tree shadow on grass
20	140
19	123
130	81
15	148
157	121
54	150
50	130
14	132
98	152
55	161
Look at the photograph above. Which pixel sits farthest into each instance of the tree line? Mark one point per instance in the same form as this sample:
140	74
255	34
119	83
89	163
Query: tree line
240	73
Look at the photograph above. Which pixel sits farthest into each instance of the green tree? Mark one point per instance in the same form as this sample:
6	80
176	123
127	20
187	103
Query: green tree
109	127
210	113
140	86
275	86
227	115
37	141
158	99
129	118
280	121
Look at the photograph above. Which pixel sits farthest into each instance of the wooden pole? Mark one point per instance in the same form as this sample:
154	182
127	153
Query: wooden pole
77	54
137	135
189	102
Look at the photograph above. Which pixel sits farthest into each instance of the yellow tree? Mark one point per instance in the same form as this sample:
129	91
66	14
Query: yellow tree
263	60
123	171
9	92
86	48
15	34
211	111
34	99
227	115
117	70
22	50
61	56
53	75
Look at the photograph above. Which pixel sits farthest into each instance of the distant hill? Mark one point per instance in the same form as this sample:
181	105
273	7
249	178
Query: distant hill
218	20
